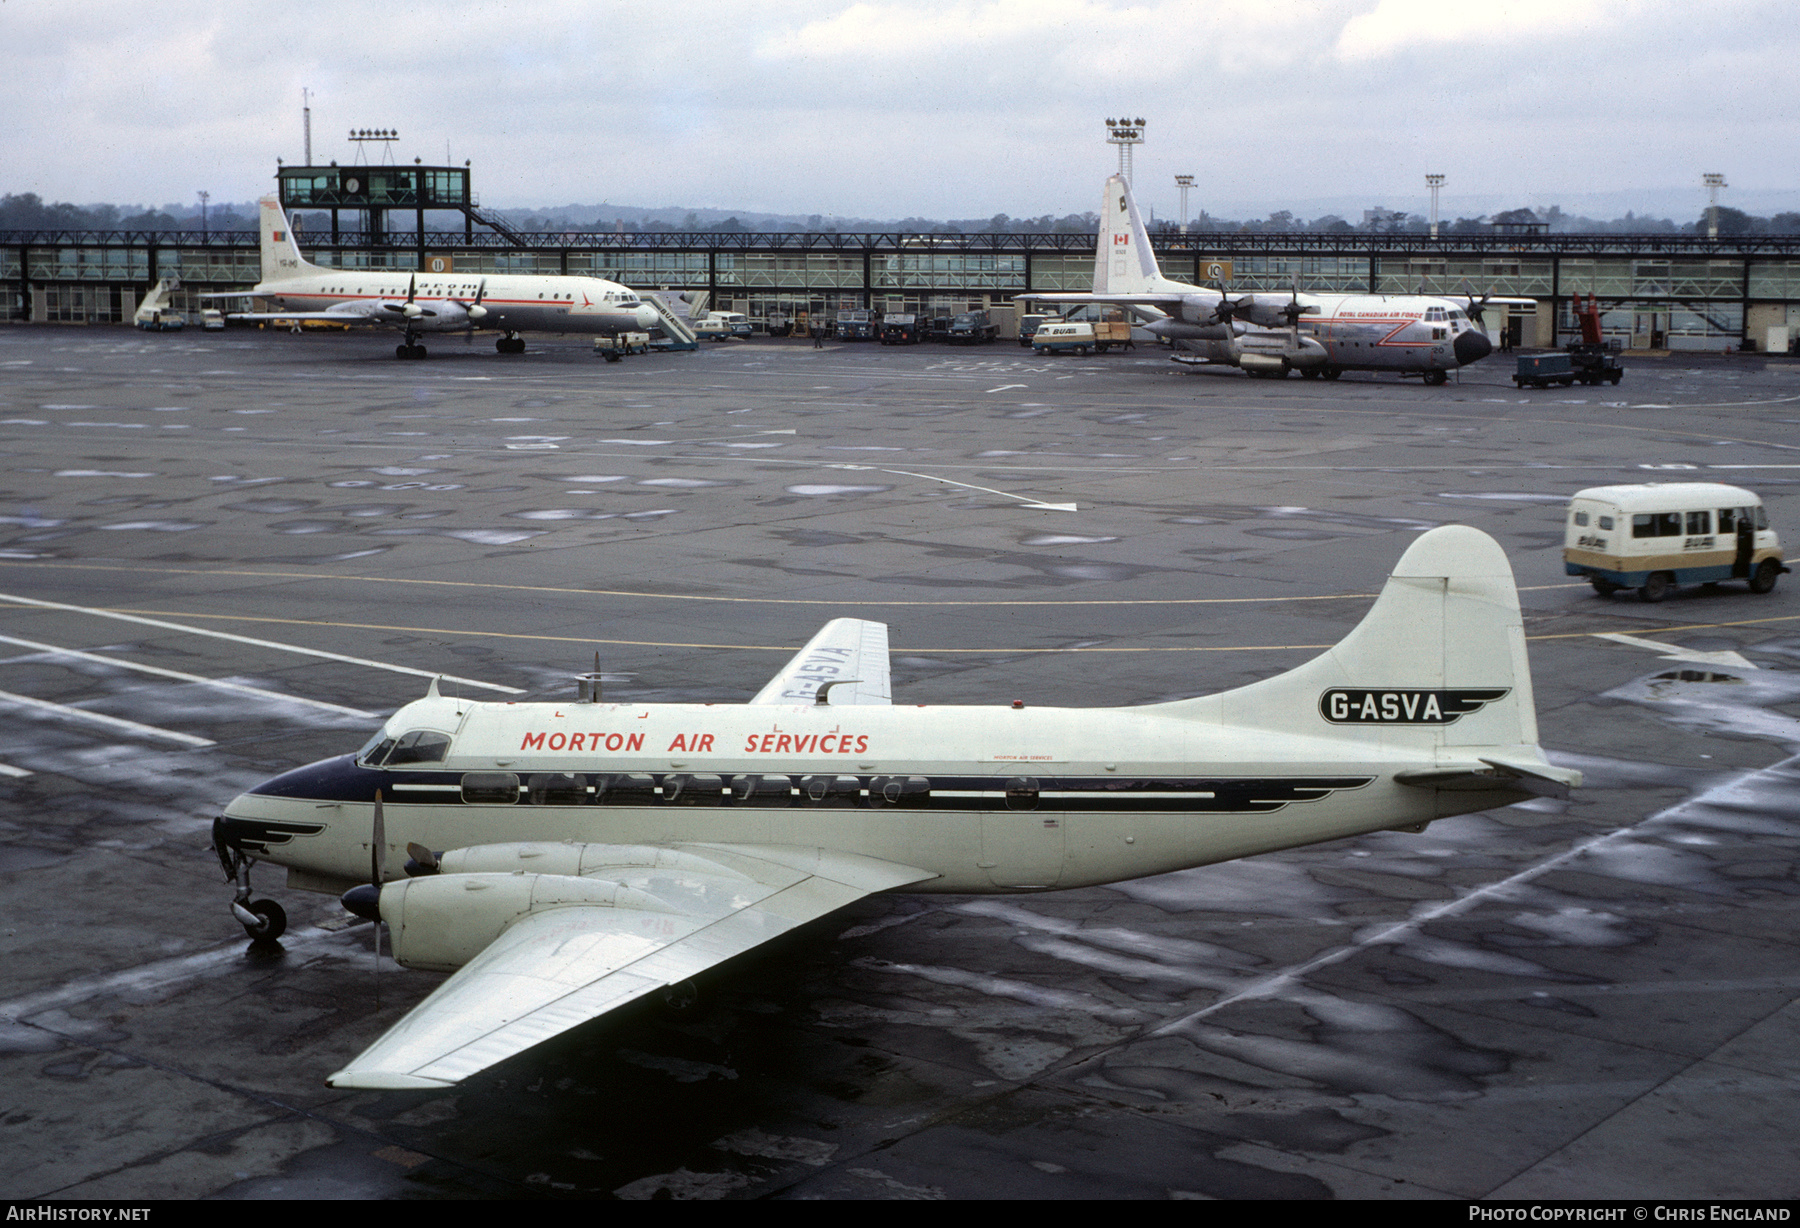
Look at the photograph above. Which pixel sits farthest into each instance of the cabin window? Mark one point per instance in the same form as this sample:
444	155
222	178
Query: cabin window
693	789
556	789
375	750
830	792
1699	523
1580	518
628	789
899	791
1022	793
1656	524
490	788
762	790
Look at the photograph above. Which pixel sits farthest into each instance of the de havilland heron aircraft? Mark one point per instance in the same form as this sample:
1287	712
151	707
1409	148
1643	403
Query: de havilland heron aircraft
420	303
1268	335
563	859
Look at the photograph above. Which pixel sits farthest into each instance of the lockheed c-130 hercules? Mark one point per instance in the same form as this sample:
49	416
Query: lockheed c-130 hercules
563	859
417	303
1269	335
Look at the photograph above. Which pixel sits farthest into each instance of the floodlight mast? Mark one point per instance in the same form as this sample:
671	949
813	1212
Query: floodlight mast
1125	133
1713	181
1434	182
1184	182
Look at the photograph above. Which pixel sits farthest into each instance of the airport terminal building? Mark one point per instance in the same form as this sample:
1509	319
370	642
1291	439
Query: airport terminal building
1656	291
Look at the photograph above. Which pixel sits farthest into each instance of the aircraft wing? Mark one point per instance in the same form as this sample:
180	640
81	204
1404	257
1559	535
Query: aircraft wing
849	652
1160	302
556	969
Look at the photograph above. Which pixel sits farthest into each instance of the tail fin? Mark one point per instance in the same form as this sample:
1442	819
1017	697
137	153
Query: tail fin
1437	667
281	258
1124	262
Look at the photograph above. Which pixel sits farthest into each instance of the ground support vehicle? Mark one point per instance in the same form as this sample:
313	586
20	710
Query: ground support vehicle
973	328
1657	536
857	326
1029	324
902	330
1595	364
616	347
1543	370
1063	337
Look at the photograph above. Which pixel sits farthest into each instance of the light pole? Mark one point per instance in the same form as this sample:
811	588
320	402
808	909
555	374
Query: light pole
1184	182
1713	181
1434	182
204	197
1125	133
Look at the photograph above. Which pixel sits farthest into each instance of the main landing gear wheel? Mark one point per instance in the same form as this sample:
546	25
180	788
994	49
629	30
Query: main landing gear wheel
509	345
409	351
1436	379
1767	572
1657	587
1310	373
1332	373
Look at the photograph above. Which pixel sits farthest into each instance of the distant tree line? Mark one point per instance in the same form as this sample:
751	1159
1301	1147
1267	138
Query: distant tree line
26	211
1384	221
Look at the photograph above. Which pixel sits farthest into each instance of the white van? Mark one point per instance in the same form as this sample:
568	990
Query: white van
1062	338
1658	535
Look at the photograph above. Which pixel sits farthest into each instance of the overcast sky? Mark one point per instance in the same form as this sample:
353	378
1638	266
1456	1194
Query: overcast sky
932	108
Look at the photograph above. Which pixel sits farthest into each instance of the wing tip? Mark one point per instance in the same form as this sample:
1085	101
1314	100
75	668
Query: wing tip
384	1080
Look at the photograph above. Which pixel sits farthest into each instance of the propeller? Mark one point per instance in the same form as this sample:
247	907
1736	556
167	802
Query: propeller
1476	308
1292	311
412	310
420	861
473	310
365	899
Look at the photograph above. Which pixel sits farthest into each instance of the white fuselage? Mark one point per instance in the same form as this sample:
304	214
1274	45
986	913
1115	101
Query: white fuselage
1338	331
990	799
511	302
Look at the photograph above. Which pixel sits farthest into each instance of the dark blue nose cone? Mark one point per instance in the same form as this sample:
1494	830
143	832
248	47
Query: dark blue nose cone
1472	345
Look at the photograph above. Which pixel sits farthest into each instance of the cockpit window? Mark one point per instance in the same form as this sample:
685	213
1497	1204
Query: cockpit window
419	746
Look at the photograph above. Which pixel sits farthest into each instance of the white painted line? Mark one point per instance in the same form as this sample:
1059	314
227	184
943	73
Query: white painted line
176	674
7	769
116	722
1027	500
245	639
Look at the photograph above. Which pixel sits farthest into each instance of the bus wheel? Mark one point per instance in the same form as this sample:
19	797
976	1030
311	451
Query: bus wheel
1605	588
1767	572
1657	586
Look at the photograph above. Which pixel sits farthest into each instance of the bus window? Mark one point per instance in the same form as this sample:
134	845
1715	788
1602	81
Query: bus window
1728	519
1606	522
1699	523
1656	524
1580	518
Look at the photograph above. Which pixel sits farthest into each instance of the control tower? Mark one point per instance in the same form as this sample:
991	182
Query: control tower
375	191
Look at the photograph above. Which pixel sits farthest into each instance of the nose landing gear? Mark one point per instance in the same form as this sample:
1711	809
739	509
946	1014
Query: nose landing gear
263	920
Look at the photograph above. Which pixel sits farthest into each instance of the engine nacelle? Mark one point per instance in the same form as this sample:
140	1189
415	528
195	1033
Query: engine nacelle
442	922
